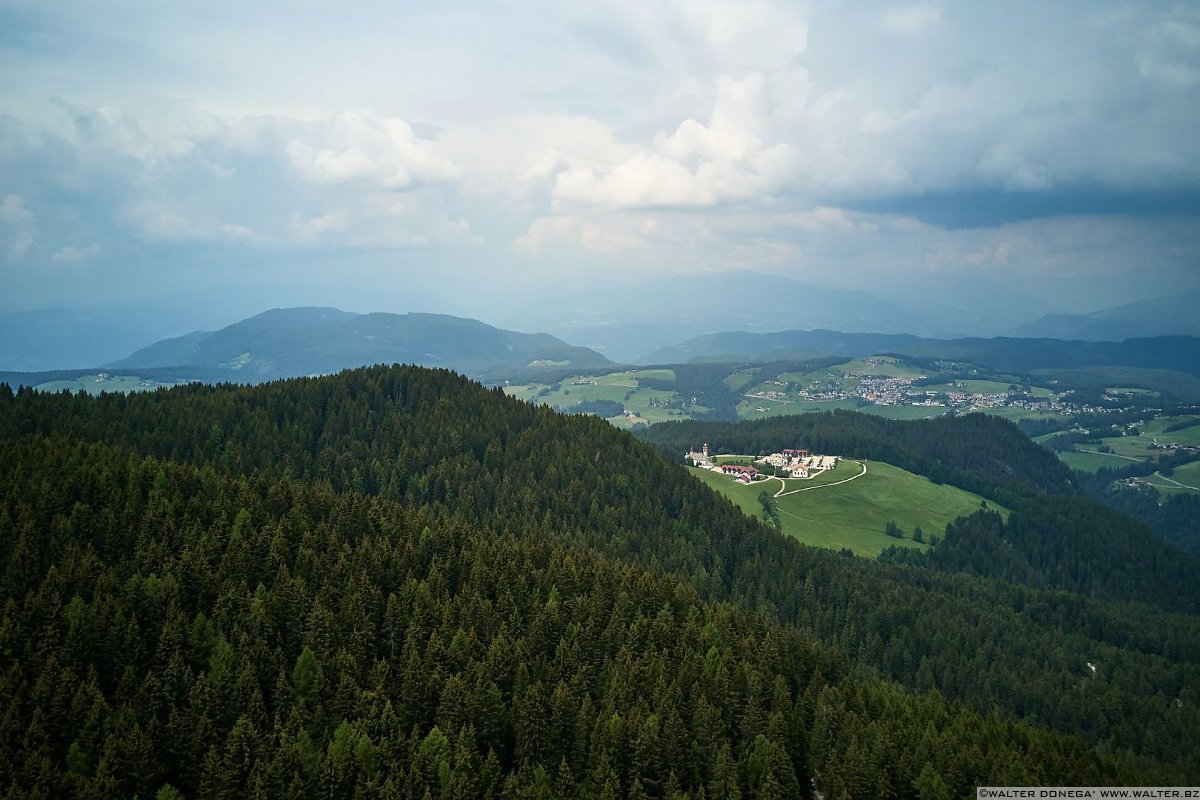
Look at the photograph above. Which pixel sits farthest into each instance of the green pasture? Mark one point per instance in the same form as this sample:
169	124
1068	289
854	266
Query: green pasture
853	515
737	381
1183	479
748	407
905	411
1048	437
1139	447
981	387
1016	414
1092	462
93	385
886	366
1189	437
619	387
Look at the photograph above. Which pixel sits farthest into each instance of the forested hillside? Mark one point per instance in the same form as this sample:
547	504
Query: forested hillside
286	342
396	580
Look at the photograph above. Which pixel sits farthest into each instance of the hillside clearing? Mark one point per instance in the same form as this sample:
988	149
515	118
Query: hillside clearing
854	514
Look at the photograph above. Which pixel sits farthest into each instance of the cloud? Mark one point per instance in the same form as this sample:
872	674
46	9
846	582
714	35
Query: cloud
607	236
76	255
698	165
156	222
1012	171
757	133
1170	54
362	148
912	19
355	180
19	225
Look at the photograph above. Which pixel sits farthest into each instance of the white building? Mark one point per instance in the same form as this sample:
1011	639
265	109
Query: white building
700	459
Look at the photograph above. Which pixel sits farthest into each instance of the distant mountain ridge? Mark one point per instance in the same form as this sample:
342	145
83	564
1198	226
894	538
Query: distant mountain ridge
311	340
1177	353
1161	316
628	320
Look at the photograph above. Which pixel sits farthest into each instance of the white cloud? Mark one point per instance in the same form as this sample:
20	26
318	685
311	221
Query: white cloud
311	229
698	165
19	224
360	147
156	222
597	234
76	255
912	19
744	130
818	220
649	180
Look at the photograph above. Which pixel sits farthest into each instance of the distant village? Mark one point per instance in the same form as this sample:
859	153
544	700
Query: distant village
884	390
794	463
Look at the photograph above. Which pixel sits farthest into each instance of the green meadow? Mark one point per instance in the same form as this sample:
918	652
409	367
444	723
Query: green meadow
853	515
1092	461
650	405
94	384
1182	479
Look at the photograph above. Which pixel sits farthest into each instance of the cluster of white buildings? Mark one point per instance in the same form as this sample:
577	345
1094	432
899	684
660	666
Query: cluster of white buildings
797	463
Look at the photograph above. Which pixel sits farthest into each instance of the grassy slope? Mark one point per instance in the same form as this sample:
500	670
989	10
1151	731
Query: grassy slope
853	515
621	387
1091	462
1185	436
1140	447
1188	475
90	384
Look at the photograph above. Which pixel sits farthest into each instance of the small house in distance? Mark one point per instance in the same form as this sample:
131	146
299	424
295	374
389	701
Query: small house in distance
741	473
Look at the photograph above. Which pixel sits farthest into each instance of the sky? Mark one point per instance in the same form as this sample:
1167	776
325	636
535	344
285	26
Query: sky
402	156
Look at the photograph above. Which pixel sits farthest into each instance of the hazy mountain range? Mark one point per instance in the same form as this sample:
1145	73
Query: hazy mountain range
1163	316
623	323
1176	353
305	341
627	321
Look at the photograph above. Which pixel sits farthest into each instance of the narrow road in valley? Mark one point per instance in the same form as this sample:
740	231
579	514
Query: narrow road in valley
1114	455
1168	480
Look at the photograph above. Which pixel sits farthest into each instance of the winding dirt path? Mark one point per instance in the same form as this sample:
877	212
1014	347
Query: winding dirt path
1168	480
1114	455
782	493
783	484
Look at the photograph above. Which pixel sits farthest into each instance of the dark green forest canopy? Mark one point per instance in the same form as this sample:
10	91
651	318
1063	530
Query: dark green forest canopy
238	551
400	651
